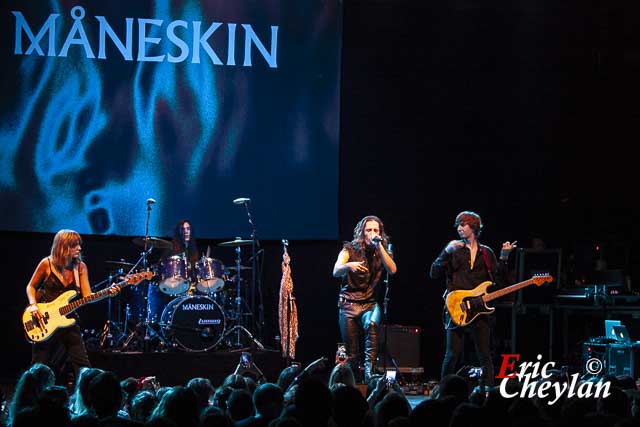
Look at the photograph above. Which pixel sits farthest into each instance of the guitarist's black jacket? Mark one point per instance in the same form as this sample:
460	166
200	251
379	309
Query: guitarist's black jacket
456	269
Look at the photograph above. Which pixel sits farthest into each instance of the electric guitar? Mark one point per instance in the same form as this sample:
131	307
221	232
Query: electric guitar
464	306
55	312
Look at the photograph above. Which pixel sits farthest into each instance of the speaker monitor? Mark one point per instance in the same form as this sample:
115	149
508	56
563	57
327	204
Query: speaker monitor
403	346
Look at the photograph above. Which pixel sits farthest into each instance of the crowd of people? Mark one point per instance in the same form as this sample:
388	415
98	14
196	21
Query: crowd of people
315	396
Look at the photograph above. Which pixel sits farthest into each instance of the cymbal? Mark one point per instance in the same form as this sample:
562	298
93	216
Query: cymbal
242	268
152	242
120	263
237	242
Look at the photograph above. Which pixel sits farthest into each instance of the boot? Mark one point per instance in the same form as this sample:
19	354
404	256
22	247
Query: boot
370	351
369	370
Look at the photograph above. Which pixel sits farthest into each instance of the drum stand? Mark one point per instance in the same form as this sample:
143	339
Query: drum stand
143	329
239	327
111	332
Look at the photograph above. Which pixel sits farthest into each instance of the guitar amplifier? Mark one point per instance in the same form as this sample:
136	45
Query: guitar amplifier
530	262
403	346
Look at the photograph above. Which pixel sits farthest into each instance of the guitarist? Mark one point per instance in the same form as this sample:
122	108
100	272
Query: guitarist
61	271
465	263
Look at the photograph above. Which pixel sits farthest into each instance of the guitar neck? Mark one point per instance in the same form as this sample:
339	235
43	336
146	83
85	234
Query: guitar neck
505	291
74	305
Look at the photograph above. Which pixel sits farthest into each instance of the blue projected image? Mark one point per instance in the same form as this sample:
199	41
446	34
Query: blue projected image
194	104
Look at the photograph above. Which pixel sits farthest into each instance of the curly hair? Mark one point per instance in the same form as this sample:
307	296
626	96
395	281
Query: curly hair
358	232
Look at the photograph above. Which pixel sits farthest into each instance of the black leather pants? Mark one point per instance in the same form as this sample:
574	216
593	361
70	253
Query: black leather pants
355	320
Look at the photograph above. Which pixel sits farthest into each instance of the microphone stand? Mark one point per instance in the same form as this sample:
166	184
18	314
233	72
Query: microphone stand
147	310
254	276
385	304
147	337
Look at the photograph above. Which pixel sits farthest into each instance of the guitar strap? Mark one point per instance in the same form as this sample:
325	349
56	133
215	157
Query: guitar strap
486	263
77	277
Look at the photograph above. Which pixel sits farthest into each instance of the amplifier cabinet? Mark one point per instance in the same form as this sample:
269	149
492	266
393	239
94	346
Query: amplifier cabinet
403	346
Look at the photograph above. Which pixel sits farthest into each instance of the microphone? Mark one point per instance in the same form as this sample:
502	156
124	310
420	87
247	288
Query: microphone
377	239
151	201
241	201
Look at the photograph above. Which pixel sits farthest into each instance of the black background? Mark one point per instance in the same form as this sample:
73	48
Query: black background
526	113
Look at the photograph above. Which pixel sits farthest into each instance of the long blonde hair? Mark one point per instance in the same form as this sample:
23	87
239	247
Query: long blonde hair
63	242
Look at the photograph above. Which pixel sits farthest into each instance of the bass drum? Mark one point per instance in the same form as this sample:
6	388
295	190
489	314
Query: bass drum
195	323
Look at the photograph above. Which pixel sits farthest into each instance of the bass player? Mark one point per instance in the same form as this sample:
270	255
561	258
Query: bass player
61	271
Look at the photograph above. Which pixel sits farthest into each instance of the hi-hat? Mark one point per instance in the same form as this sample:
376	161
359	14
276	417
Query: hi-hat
153	242
237	242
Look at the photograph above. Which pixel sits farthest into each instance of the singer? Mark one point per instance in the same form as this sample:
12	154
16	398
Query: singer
465	263
359	266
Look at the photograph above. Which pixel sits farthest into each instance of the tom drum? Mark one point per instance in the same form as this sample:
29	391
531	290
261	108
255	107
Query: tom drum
174	274
209	273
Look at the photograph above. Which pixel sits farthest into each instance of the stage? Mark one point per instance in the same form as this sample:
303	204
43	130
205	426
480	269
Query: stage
176	368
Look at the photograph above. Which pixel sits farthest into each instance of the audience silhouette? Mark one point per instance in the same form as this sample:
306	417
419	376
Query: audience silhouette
309	397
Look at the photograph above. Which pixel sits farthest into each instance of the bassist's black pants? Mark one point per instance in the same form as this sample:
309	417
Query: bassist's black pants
481	334
65	342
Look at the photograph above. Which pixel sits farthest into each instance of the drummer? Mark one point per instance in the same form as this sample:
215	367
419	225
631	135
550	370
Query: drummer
184	242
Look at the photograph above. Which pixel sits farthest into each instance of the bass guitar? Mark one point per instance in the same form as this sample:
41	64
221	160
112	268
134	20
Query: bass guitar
465	305
55	312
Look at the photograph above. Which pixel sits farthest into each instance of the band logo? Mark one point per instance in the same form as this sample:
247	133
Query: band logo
198	307
175	41
209	321
536	381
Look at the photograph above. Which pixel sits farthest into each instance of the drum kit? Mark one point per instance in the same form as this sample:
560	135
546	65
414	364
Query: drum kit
187	306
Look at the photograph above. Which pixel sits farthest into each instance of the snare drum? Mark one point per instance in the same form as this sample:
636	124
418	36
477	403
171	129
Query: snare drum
195	323
209	272
174	273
